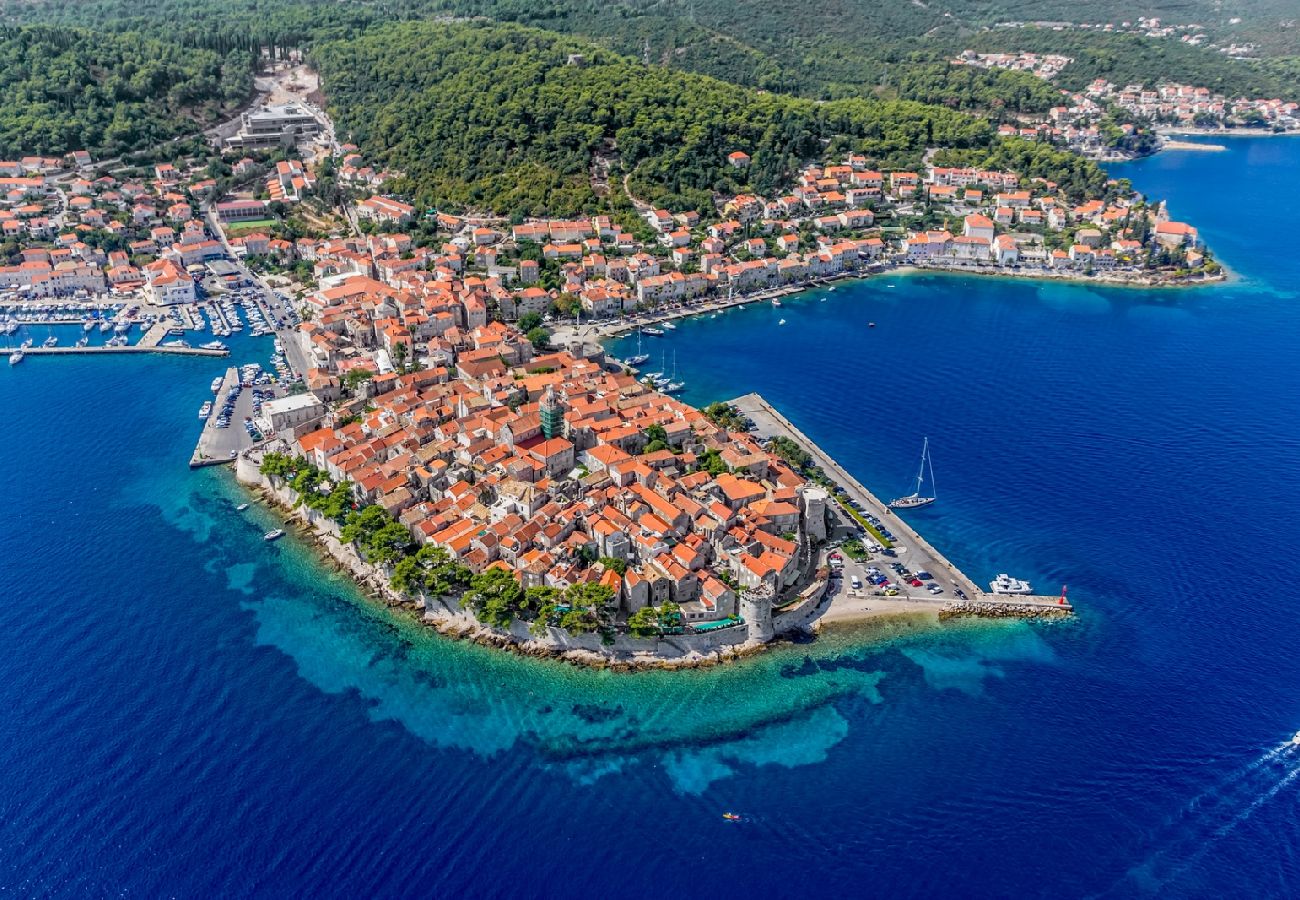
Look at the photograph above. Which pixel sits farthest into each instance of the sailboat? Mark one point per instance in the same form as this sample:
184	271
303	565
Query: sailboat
915	499
674	386
640	357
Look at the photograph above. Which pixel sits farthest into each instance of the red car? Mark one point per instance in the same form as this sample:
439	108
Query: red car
916	582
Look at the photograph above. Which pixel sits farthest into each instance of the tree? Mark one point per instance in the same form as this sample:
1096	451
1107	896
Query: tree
388	544
656	438
644	622
711	461
528	321
617	565
353	378
590	607
495	596
539	337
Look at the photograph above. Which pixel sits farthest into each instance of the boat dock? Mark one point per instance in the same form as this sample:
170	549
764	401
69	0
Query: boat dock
132	348
914	551
218	446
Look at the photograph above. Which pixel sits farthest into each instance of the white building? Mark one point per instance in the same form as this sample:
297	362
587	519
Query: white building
287	413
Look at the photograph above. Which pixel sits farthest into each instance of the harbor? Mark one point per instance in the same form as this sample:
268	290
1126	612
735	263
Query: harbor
228	419
905	551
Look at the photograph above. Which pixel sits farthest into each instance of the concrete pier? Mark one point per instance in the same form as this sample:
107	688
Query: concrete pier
136	348
218	446
914	551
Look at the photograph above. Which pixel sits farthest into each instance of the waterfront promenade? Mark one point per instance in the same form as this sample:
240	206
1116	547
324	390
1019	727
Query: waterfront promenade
913	550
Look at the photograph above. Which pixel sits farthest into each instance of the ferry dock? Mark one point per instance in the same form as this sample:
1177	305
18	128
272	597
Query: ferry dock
911	548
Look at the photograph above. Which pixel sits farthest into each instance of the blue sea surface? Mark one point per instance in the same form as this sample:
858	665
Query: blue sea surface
190	711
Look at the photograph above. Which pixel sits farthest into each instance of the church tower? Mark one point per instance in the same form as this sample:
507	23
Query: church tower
552	412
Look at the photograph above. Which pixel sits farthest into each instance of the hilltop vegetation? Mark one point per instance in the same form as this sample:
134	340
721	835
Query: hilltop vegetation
65	89
851	48
494	117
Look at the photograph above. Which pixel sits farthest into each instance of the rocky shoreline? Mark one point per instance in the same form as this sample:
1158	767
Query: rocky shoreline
450	621
446	617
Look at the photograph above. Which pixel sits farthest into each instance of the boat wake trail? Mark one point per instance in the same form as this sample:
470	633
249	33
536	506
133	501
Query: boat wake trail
1209	817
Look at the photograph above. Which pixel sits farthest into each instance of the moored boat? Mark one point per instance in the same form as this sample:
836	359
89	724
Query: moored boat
916	498
273	535
1005	584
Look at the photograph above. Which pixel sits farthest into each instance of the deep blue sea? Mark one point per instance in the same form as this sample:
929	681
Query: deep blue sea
191	712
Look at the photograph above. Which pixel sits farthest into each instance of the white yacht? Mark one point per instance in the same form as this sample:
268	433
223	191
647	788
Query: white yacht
915	499
1295	739
16	357
273	535
1005	584
206	409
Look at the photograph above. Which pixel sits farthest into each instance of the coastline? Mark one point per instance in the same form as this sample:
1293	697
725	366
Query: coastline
810	616
1224	132
445	617
613	328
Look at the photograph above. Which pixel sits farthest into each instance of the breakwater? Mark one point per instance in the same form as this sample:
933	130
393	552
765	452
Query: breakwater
920	553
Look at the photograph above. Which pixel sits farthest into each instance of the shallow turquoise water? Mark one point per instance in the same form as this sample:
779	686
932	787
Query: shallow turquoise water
192	711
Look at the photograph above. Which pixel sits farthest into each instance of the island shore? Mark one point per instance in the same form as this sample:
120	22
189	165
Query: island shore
818	606
605	329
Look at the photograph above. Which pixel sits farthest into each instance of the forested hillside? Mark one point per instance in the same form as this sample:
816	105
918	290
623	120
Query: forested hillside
825	50
66	89
494	117
841	49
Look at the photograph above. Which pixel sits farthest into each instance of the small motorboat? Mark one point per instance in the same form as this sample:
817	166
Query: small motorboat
273	535
782	322
241	507
731	817
871	324
1295	739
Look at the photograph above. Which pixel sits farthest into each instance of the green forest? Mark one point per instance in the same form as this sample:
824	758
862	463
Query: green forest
494	116
65	89
824	51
